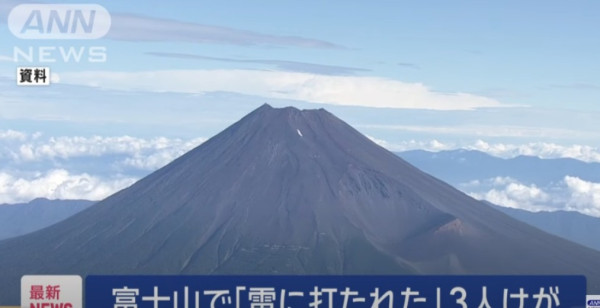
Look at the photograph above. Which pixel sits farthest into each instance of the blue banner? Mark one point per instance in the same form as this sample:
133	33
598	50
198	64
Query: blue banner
334	291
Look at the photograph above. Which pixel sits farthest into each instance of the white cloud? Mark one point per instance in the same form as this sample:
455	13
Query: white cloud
584	196
432	145
384	144
58	184
57	180
147	154
544	150
136	28
61	159
337	90
12	135
470	184
484	130
516	195
161	157
539	149
571	194
502	180
292	66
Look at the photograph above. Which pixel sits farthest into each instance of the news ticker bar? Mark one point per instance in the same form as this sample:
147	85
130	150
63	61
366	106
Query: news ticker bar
334	291
305	291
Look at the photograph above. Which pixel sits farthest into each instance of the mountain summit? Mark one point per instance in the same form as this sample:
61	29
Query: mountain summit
296	192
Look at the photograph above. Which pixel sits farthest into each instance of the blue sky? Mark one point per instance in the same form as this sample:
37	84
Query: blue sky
538	53
511	64
505	77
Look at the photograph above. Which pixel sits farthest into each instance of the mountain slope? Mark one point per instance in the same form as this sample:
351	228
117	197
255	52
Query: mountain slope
572	226
19	219
290	191
462	168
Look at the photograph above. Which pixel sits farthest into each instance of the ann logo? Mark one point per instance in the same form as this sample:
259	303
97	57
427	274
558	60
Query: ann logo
54	21
59	21
592	301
